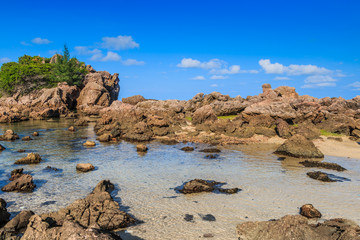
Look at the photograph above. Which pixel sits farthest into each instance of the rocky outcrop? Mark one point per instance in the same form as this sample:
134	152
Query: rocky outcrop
298	227
133	100
4	215
9	135
24	183
97	208
31	158
204	114
298	146
19	222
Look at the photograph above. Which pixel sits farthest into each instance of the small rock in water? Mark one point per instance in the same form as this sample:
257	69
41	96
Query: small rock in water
89	144
210	150
2	148
309	211
22	184
208	217
187	149
84	167
47	203
21	150
72	129
31	158
104	138
16	173
321	176
26	138
51	168
141	148
198	185
326	165
35	134
211	156
189	218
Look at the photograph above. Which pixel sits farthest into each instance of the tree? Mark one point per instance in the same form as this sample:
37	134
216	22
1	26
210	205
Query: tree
67	69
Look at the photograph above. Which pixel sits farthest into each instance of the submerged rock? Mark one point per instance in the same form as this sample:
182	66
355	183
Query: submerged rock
210	150
198	185
84	167
89	144
321	176
22	184
208	217
2	148
31	158
298	227
300	147
309	211
229	190
97	208
187	149
26	138
9	135
326	165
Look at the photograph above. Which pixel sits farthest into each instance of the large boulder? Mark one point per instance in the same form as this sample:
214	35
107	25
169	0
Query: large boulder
133	100
299	228
300	147
19	222
97	208
204	114
4	215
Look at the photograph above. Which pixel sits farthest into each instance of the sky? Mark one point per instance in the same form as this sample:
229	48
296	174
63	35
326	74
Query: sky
174	49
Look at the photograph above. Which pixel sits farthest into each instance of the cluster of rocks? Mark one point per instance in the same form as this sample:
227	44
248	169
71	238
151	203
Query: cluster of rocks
20	182
93	217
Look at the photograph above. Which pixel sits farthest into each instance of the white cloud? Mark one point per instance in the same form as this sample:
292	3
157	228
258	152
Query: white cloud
110	56
234	69
213	85
5	60
293	69
132	62
215	77
282	78
193	63
40	41
81	50
119	43
319	81
198	78
355	85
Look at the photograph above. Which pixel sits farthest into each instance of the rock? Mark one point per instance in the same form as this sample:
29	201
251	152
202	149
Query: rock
26	138
338	139
298	146
49	168
189	218
4	215
22	184
39	229
229	190
31	158
268	132
326	165
211	156
21	150
321	176
198	185
283	128
9	135
81	122
2	148
187	149
16	173
204	114
104	138
19	222
97	208
141	148
298	227
208	235
35	134
210	150
71	129
133	100
208	217
84	167
89	144
309	211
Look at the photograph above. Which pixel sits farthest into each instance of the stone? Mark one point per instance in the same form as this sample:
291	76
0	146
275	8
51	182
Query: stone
133	100
9	135
197	186
187	149
81	122
208	217
229	190
19	222
104	138
210	150
203	114
4	215
321	176
89	144
21	150
189	218
309	211
16	173
326	165
31	158
84	167
26	138
22	184
300	147
283	128
141	148
71	129
35	134
2	148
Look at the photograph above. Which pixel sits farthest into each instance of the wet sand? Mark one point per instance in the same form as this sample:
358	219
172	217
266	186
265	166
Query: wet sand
346	148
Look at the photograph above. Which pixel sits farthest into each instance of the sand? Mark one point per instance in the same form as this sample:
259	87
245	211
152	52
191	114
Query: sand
346	148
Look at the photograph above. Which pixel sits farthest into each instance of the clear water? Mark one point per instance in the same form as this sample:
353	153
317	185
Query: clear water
270	188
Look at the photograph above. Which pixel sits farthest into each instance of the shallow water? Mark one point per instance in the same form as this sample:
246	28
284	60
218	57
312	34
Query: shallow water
144	184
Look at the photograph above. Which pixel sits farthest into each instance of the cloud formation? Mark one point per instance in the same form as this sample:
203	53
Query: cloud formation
40	41
198	78
293	69
216	77
282	78
355	85
319	81
119	43
132	62
193	63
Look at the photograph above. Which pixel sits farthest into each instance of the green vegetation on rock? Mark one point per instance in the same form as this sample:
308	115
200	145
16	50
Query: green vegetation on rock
327	133
31	73
231	117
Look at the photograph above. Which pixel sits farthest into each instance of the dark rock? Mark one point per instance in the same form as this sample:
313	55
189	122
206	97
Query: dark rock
4	215
208	235
21	150
3	203
229	190
298	227
187	149
211	156
141	148
208	217
309	211
321	176
19	222
298	146
210	150
189	218
22	184
198	185
326	165
16	173
2	148
31	158
51	168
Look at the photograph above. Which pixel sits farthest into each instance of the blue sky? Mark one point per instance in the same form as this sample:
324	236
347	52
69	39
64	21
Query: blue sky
175	49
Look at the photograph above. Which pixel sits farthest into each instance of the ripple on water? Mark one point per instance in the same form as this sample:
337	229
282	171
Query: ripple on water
145	183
